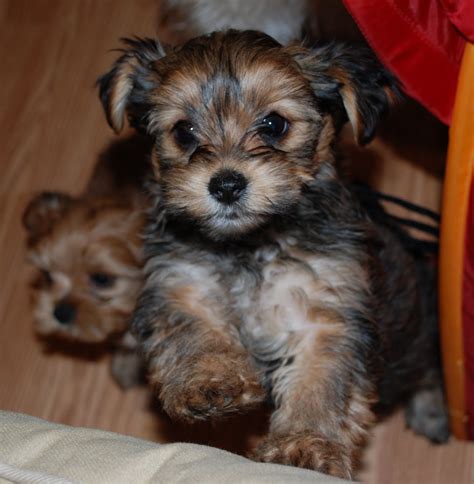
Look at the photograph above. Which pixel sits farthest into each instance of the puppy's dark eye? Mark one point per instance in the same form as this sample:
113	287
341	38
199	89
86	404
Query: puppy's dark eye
184	134
274	126
101	280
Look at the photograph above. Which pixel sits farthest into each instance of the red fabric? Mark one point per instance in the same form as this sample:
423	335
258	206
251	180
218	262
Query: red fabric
416	40
468	315
461	15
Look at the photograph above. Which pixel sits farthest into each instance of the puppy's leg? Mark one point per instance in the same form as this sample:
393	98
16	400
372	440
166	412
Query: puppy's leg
196	359
323	404
315	344
426	412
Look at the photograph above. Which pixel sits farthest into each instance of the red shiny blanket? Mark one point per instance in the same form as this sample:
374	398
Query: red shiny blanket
422	42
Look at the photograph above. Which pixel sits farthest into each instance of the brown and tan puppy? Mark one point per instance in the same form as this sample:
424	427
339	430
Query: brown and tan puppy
88	255
265	277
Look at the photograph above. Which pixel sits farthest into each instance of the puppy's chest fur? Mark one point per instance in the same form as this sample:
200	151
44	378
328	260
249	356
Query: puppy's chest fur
295	290
270	285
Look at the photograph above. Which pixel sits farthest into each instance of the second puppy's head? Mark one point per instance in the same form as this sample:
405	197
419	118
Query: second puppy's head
88	257
241	124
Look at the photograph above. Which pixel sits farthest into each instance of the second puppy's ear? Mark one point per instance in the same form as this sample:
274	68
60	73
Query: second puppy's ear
43	211
350	84
125	88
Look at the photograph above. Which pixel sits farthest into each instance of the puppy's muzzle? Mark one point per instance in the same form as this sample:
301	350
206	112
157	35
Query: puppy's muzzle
227	186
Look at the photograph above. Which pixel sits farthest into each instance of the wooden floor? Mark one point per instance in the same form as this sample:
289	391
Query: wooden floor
52	129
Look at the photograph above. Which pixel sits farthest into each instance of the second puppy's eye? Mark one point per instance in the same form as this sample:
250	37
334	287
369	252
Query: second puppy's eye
101	280
274	126
184	134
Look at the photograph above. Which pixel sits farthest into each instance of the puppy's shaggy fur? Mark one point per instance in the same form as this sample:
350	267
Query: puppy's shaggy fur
264	276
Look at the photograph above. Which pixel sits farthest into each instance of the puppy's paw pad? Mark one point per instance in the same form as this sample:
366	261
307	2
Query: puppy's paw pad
213	387
305	449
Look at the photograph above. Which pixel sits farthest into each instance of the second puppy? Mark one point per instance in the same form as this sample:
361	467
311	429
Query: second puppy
88	254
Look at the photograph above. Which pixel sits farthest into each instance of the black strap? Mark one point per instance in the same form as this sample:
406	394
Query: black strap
370	200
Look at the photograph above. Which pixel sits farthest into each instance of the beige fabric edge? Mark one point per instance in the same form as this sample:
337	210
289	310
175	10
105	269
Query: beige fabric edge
15	474
36	451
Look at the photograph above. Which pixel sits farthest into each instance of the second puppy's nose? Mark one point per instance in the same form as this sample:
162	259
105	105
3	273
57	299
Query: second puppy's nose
65	313
227	186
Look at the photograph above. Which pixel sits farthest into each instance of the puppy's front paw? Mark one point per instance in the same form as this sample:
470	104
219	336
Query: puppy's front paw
213	386
305	449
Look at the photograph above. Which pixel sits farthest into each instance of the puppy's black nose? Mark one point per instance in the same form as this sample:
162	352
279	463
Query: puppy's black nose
227	186
65	313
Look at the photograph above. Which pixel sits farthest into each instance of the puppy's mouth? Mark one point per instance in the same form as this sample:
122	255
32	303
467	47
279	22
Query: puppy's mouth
231	221
233	212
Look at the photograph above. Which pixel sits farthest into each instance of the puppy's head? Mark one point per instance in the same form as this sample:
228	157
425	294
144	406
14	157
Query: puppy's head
241	124
87	254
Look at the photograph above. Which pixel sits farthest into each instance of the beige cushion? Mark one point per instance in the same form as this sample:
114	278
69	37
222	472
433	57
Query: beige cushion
36	451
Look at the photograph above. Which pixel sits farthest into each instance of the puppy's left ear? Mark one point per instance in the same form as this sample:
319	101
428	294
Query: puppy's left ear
126	87
43	211
350	84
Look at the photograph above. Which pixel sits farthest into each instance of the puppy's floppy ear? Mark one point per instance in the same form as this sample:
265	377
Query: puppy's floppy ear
349	83
125	88
43	211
